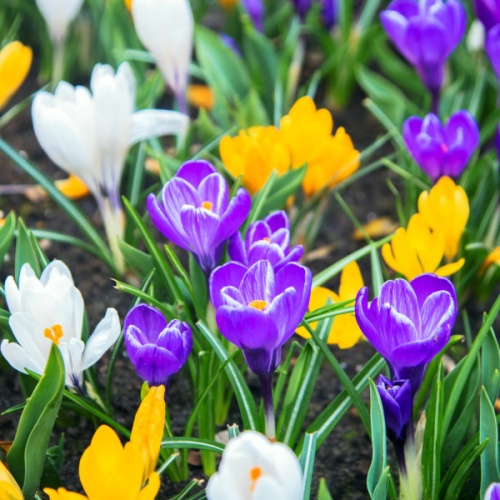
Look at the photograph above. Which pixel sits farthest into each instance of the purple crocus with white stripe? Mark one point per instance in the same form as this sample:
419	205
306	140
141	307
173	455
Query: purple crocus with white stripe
267	239
408	323
488	12
426	32
441	150
156	349
493	492
195	212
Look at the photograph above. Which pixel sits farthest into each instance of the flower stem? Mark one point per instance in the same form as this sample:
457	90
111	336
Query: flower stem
57	64
267	398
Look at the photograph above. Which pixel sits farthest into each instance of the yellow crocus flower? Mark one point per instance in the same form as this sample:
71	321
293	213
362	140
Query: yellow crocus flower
63	494
147	430
330	159
417	250
492	258
445	208
9	489
254	154
345	331
15	63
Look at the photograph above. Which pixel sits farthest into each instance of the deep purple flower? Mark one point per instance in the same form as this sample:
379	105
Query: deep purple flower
426	33
441	150
493	492
255	9
492	47
195	212
488	12
302	7
397	401
329	13
408	323
258	309
267	239
157	349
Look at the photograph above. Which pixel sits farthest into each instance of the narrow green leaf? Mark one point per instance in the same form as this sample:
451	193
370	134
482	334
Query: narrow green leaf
7	234
323	493
490	365
192	443
25	251
307	462
488	429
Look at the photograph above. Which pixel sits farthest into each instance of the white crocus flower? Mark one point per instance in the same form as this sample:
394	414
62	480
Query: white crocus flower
253	468
88	133
58	14
165	28
50	310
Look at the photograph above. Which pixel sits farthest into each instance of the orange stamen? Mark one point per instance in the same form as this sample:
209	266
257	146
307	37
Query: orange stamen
54	333
267	240
255	473
258	304
207	205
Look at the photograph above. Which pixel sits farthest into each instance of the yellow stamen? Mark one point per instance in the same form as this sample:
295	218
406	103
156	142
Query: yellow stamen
207	205
258	304
54	333
255	473
268	240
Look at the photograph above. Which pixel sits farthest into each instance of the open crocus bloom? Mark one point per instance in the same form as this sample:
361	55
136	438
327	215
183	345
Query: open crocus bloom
58	14
15	63
88	133
408	323
50	310
253	468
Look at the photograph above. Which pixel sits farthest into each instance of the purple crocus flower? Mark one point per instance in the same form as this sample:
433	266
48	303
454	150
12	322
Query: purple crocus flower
488	12
426	33
329	13
267	239
231	43
441	150
258	309
195	212
302	7
492	47
397	401
157	349
255	9
493	492
408	323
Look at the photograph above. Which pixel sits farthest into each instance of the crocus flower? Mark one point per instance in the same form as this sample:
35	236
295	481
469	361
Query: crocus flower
441	150
426	32
408	323
255	10
9	489
15	63
258	309
255	153
397	401
302	7
329	13
445	209
50	310
165	28
88	134
492	492
254	468
266	239
345	331
148	427
307	132
58	14
488	12
157	349
195	212
492	47
418	249
110	470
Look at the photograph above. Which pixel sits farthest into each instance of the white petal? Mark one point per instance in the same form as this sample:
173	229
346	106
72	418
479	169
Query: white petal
71	353
12	295
104	336
152	122
19	359
58	14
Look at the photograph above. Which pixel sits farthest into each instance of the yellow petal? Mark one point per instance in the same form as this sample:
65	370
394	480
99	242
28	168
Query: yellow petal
151	489
200	96
73	187
9	489
63	494
128	5
492	258
376	228
450	268
15	63
345	331
400	255
351	282
147	430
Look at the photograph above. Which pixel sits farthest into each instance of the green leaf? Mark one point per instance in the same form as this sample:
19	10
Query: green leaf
490	365
141	262
25	251
193	444
488	429
377	473
7	234
284	186
323	493
307	462
26	458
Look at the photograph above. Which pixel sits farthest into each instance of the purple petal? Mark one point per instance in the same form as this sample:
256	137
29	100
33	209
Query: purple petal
257	231
283	311
462	131
427	284
402	298
259	283
262	250
214	190
365	317
235	215
168	226
145	319
195	171
178	339
455	162
236	249
492	47
438	317
231	296
229	274
278	220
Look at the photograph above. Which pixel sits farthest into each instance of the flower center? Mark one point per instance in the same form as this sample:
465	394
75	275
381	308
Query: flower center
207	205
267	240
54	333
444	148
258	304
255	473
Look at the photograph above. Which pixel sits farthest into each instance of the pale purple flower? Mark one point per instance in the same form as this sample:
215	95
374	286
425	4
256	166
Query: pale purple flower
441	150
426	32
258	309
488	12
397	401
267	239
493	492
195	212
156	349
255	9
408	323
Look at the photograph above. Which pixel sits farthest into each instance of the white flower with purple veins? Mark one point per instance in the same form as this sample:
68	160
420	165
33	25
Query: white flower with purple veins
48	311
58	14
88	133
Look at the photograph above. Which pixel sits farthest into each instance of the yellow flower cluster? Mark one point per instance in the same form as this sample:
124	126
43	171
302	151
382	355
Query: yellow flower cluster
15	63
432	233
110	470
304	137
